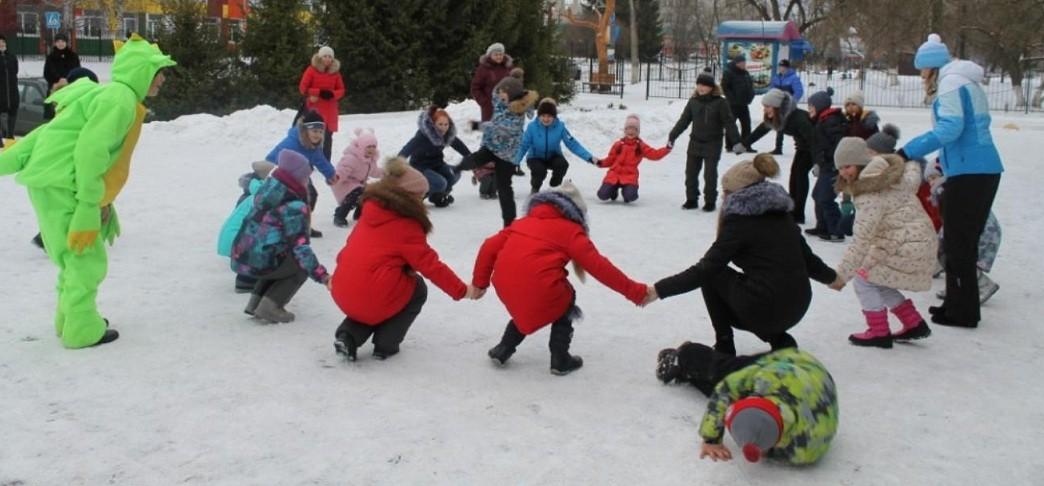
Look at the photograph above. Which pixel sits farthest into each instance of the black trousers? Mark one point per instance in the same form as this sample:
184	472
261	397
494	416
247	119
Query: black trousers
328	144
350	202
9	130
799	170
693	164
779	141
742	115
561	333
727	314
968	199
538	169
387	335
282	283
503	172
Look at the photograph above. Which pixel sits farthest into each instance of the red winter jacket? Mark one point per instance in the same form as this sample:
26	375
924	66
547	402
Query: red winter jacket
313	81
528	259
372	281
487	75
623	160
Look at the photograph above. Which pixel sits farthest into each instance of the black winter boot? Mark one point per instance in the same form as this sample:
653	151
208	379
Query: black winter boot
344	344
109	336
38	241
667	369
508	344
563	363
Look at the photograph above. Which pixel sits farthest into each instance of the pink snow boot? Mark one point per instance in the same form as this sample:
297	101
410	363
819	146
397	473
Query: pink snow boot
877	333
914	326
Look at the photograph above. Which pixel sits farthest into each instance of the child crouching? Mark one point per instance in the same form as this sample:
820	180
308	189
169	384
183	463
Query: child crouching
376	283
273	245
250	183
527	262
357	165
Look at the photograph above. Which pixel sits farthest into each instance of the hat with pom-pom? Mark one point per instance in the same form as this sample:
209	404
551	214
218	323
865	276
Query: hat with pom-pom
749	172
822	100
399	172
755	424
364	137
883	142
933	54
512	86
568	189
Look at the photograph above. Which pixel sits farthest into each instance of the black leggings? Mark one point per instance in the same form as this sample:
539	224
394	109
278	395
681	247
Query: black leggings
387	335
504	171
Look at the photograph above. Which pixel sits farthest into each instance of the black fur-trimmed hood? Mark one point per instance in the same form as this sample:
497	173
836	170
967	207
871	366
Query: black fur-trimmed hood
427	126
757	199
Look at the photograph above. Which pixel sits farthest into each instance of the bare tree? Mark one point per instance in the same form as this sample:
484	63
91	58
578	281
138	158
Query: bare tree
1008	31
806	13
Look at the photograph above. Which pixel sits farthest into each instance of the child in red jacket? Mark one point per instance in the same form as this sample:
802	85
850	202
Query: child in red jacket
527	263
376	282
623	160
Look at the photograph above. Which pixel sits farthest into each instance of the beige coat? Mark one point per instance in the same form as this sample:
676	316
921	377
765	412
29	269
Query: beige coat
894	239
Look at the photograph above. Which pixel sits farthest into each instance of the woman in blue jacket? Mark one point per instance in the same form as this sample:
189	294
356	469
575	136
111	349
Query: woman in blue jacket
972	166
435	132
543	143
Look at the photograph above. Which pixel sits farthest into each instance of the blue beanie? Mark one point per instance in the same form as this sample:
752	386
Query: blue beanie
933	54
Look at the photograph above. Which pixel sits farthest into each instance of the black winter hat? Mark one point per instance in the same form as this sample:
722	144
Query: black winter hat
312	117
785	63
80	72
61	37
3	37
705	79
739	58
547	107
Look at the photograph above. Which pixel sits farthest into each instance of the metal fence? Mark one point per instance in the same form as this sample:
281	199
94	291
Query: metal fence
880	88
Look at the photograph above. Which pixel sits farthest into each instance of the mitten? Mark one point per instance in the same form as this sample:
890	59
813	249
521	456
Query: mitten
815	170
326	94
738	149
84	227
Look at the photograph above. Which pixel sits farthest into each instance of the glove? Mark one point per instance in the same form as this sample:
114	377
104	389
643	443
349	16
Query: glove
902	153
847	208
815	170
326	94
84	227
670	144
593	161
738	149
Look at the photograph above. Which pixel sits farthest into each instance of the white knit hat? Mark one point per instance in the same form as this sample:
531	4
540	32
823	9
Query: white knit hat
856	97
326	51
495	47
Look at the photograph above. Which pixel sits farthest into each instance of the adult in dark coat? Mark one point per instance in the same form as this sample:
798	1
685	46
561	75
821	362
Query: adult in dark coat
738	87
59	62
9	98
756	234
710	117
782	115
493	66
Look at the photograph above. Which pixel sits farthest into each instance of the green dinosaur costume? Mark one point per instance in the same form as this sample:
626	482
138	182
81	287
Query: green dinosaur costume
73	168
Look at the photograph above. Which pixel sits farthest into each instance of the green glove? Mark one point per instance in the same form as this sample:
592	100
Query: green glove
110	226
84	227
847	208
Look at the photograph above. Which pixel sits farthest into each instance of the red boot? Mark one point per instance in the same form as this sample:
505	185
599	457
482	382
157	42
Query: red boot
914	326
877	333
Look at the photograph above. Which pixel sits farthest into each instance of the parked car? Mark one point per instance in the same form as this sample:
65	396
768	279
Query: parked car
33	92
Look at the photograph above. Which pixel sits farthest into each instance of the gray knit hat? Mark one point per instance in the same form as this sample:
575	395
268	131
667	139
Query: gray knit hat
774	98
883	142
851	151
512	86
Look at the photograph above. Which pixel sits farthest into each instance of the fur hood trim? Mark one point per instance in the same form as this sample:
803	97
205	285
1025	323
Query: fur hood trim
524	103
568	208
757	199
508	61
317	63
427	126
396	199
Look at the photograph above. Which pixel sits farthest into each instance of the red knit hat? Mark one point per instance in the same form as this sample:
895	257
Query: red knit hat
755	424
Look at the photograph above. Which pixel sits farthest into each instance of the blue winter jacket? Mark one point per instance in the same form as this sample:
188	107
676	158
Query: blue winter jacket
789	82
503	134
541	142
230	229
315	156
276	228
425	149
961	124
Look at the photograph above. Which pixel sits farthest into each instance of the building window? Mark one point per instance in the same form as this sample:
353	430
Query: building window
130	25
213	26
157	24
235	30
90	26
29	22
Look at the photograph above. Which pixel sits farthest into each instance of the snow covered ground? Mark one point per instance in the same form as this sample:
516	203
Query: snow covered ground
196	393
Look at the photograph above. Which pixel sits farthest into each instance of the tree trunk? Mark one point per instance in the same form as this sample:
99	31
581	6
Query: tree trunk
636	67
1016	85
1038	96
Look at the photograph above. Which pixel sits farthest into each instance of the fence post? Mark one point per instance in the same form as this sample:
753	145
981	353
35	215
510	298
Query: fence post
1028	82
648	70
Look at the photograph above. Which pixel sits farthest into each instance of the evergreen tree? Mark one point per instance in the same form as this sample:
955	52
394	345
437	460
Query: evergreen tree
522	27
202	80
650	28
279	43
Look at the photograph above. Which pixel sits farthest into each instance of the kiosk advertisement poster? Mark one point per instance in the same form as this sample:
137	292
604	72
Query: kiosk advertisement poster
760	60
